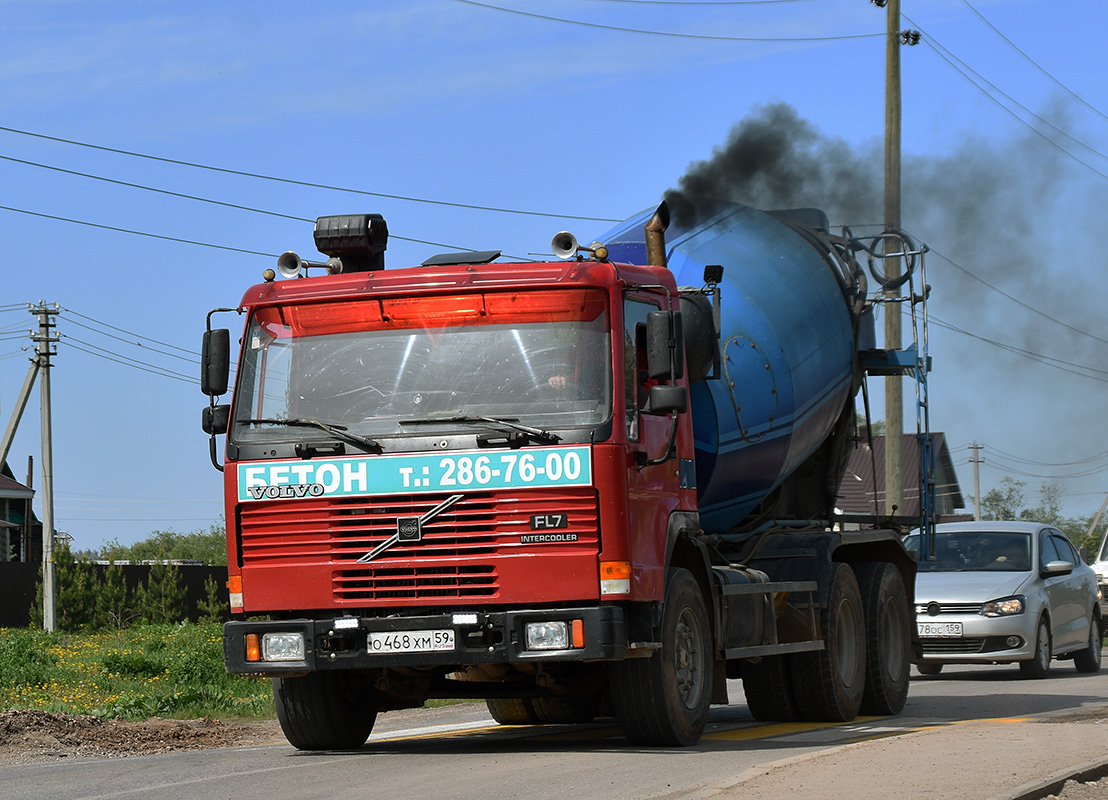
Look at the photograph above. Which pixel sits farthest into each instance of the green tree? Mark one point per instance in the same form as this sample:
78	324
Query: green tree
1049	510
1005	502
212	608
209	546
75	593
162	598
115	601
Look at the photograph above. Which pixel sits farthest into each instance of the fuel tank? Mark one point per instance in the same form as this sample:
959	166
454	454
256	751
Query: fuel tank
790	321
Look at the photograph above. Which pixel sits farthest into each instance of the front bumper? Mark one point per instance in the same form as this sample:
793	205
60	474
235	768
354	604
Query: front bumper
341	642
984	640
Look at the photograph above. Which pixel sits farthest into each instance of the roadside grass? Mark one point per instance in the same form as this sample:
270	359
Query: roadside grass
151	670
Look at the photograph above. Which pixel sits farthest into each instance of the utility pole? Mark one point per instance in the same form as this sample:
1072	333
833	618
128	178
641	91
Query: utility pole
44	341
976	460
894	392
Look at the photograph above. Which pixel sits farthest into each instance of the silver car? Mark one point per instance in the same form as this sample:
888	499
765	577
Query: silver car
1004	592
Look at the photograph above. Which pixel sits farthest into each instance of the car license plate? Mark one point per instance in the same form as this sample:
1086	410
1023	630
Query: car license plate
939	630
411	641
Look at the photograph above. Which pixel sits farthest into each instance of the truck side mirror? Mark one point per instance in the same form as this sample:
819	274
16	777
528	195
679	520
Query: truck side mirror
215	419
659	334
667	398
215	361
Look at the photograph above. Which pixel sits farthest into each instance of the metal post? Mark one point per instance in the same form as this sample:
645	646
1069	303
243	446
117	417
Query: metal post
894	397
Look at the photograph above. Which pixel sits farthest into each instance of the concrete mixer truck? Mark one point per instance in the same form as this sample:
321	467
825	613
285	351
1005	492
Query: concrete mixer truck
597	485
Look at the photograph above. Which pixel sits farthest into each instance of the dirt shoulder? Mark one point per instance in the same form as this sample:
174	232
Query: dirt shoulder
30	737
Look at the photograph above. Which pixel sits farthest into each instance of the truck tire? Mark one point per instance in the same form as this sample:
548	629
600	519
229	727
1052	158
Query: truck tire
324	711
888	637
513	710
828	684
664	699
768	690
1088	660
567	710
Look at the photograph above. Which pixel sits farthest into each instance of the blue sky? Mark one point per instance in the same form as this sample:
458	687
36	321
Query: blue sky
578	111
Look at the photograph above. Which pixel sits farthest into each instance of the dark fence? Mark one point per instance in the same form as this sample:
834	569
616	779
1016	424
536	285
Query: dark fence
19	584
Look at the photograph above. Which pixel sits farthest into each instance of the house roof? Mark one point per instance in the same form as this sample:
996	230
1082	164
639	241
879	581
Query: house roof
859	493
11	488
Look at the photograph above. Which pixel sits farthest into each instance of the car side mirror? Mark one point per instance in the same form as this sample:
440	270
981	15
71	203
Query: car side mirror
1055	568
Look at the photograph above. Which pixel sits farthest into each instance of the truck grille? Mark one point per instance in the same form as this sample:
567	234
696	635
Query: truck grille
455	557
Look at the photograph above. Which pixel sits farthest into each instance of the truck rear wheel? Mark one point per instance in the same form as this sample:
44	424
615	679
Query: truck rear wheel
888	637
828	684
325	710
769	693
664	699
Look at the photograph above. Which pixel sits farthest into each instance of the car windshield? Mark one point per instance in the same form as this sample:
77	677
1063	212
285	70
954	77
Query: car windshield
976	551
375	367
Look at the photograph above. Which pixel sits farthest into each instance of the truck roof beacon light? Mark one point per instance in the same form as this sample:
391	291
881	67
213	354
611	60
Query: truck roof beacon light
359	240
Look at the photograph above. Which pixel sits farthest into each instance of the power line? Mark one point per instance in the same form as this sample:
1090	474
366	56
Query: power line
136	233
948	57
703	2
145	188
1049	361
129	333
934	45
1035	64
293	182
670	34
1016	300
108	355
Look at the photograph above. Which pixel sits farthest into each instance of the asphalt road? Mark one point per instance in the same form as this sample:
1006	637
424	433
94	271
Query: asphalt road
961	724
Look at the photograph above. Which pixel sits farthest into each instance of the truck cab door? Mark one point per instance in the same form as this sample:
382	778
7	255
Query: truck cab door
652	488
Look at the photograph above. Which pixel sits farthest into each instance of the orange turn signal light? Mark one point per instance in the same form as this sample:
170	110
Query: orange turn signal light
577	633
615	570
253	647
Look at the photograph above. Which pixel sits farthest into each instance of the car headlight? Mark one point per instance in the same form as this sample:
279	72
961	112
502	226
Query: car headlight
1003	607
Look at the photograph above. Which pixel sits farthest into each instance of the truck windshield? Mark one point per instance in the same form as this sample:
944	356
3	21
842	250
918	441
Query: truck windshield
542	358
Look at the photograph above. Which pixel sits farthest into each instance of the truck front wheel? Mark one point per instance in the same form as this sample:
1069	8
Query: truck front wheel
325	710
664	699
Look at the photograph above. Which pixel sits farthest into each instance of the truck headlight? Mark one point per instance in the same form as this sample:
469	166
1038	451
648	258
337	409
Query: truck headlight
546	635
283	647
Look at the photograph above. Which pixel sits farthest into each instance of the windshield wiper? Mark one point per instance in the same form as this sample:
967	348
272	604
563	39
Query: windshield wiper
338	431
497	423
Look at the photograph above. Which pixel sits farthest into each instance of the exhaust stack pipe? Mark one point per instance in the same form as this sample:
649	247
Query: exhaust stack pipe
656	236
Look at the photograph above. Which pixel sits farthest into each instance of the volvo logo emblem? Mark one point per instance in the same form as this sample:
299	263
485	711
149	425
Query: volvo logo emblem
409	529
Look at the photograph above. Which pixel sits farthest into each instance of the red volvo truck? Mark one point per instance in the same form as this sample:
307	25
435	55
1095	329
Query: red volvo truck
599	484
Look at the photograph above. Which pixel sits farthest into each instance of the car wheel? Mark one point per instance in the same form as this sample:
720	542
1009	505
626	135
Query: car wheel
1039	665
1088	660
929	669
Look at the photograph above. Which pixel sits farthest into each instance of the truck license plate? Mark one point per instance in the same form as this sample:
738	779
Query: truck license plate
939	630
411	641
